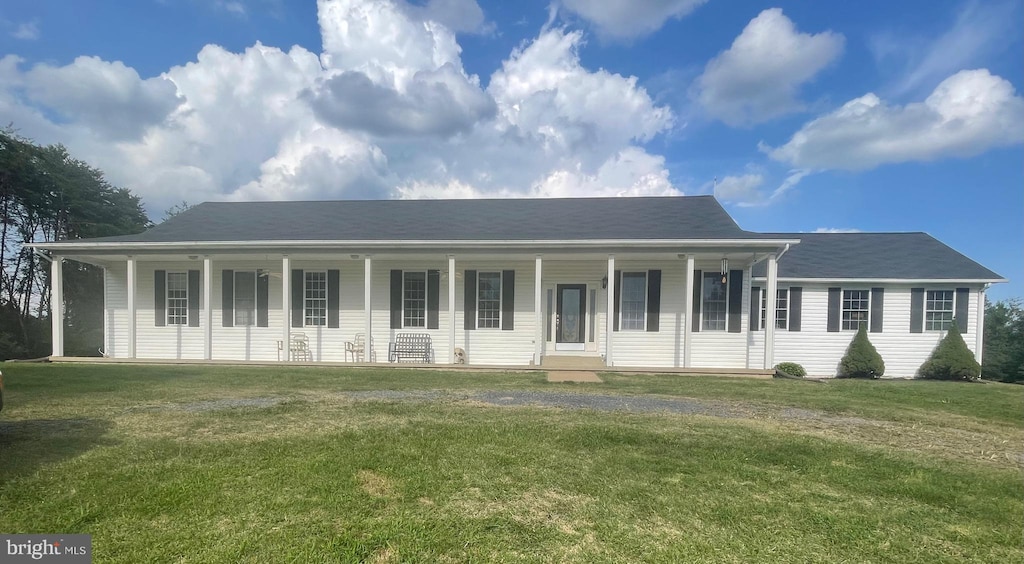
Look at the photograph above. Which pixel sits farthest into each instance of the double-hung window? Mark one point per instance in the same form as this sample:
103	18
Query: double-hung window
855	308
714	302
938	310
781	308
488	303
315	298
245	298
177	298
633	299
414	299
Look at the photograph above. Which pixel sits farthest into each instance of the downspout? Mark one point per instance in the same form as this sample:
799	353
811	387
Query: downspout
41	254
784	251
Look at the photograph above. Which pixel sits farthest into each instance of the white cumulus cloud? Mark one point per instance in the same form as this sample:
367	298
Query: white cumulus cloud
628	19
967	114
759	77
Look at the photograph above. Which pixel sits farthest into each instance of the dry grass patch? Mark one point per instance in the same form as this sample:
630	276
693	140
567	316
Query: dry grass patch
376	485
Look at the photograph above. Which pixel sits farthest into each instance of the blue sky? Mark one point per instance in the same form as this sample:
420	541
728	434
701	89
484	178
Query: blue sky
872	116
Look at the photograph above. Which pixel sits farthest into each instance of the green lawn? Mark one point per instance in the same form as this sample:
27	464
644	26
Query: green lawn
147	461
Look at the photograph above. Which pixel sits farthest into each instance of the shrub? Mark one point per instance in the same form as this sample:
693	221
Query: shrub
791	368
951	359
861	359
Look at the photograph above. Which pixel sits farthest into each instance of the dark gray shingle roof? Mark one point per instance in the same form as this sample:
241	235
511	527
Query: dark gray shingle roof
689	217
909	256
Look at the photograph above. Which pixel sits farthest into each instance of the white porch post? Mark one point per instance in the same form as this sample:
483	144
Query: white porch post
286	305
769	312
207	308
132	271
368	348
57	304
979	337
688	307
451	309
610	312
538	311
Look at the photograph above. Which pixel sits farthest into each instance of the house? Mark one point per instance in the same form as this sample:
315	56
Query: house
627	282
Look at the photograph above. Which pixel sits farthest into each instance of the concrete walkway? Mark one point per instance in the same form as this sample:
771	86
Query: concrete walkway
574	376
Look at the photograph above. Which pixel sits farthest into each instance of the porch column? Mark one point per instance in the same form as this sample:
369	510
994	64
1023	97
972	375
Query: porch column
979	333
207	308
368	348
451	309
132	268
688	307
57	304
769	312
610	312
286	305
538	312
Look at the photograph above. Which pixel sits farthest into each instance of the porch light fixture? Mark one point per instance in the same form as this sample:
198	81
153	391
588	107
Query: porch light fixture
725	270
604	283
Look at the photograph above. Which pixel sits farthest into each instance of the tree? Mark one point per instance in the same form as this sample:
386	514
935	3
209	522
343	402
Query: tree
861	359
951	359
46	194
1003	357
177	209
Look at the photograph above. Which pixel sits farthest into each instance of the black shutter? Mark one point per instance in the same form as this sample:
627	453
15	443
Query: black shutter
396	299
227	298
653	300
698	279
508	299
160	297
333	298
877	309
193	298
433	298
917	310
262	299
298	294
835	301
735	300
963	299
469	308
796	301
617	295
755	308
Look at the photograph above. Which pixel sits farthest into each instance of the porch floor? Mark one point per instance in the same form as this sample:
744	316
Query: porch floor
563	366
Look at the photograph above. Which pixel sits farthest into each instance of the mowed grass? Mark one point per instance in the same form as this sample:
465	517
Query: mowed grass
865	471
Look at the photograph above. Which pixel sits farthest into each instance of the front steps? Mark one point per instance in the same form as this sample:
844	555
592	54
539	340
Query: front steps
567	362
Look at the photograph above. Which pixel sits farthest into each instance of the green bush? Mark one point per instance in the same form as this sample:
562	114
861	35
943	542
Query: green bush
791	368
861	359
951	359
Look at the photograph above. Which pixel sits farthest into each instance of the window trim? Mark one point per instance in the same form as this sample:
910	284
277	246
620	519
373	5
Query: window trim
786	310
501	298
235	293
622	295
426	294
952	310
182	319
306	298
842	308
716	276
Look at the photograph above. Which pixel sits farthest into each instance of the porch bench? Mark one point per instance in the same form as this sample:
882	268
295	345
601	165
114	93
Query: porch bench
411	346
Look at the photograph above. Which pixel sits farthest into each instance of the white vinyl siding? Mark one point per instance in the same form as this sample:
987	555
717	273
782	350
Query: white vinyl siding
938	310
855	310
245	298
414	299
633	306
177	298
488	304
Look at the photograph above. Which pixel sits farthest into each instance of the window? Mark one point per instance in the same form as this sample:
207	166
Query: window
488	303
855	308
938	310
781	308
316	298
177	298
714	306
245	298
633	304
414	299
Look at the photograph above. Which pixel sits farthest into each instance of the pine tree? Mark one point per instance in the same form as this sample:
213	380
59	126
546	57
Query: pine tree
861	359
951	359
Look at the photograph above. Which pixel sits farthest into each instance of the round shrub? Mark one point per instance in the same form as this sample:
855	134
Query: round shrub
951	359
861	359
791	368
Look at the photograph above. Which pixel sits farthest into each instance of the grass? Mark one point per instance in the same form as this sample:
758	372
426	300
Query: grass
864	471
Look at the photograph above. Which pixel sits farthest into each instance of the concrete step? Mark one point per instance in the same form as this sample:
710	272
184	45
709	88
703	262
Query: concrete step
572	362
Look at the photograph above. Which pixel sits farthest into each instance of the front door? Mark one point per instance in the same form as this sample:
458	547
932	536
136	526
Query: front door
570	317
